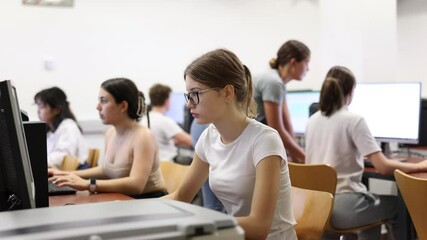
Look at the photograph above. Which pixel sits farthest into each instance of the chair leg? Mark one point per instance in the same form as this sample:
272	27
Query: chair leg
390	235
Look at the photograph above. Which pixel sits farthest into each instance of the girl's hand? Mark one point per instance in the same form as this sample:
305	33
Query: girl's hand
71	180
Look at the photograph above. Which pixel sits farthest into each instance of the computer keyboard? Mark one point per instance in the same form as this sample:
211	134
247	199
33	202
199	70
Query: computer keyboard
54	190
398	157
368	164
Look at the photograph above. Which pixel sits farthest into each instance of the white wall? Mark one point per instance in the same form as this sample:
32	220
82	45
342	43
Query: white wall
153	41
412	39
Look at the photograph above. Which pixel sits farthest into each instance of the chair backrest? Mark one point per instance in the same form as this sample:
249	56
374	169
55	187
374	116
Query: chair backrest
93	157
312	210
70	163
414	193
173	174
319	177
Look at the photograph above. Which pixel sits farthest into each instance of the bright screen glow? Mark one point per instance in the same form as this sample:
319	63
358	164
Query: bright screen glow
299	103
391	110
177	107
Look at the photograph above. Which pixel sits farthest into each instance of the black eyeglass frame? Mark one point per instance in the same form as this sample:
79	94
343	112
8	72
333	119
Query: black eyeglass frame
194	97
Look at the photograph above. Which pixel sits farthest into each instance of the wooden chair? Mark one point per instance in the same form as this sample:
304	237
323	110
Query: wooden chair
312	210
93	157
319	177
414	193
173	173
322	177
70	163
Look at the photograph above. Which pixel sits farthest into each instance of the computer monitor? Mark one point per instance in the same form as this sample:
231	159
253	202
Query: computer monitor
35	134
299	104
16	180
177	107
391	110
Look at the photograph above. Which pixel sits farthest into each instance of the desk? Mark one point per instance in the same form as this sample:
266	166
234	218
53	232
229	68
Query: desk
85	197
136	219
406	228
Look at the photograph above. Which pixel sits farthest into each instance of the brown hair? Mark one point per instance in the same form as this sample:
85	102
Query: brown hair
339	83
290	49
221	67
159	93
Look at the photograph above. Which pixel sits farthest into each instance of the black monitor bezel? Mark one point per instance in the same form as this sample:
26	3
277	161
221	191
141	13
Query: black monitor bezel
23	187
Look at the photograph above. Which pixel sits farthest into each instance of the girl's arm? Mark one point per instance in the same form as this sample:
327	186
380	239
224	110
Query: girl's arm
257	225
274	117
287	119
387	166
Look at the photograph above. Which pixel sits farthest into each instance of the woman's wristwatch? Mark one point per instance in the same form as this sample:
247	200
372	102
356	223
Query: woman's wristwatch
92	185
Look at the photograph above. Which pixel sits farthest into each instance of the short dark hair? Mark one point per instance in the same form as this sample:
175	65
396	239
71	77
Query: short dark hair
159	93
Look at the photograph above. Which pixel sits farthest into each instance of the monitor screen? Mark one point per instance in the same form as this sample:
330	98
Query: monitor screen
299	104
16	180
177	107
391	110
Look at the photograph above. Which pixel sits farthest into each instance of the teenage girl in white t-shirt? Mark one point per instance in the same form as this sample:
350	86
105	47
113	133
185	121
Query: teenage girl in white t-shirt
244	159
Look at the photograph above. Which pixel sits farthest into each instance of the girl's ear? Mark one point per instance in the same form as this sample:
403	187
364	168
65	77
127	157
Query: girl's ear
124	106
229	92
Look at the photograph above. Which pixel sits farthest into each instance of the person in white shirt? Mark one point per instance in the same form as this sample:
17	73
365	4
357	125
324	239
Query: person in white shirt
64	136
340	138
167	132
244	159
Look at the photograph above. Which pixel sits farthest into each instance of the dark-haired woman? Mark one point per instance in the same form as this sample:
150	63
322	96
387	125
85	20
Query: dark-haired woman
64	136
291	63
131	163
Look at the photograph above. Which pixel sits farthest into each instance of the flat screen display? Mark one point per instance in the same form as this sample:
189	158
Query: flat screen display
299	104
177	107
391	110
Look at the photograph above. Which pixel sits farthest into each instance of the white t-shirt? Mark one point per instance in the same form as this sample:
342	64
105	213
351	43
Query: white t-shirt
232	172
164	129
66	140
341	140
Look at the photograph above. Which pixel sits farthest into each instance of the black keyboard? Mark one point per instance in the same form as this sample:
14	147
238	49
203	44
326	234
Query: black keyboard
368	164
54	190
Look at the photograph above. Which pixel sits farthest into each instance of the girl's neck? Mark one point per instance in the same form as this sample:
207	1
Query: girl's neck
284	74
159	109
231	130
124	127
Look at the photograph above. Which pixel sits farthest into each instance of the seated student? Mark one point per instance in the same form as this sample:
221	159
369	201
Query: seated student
167	132
244	159
131	163
342	139
64	136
